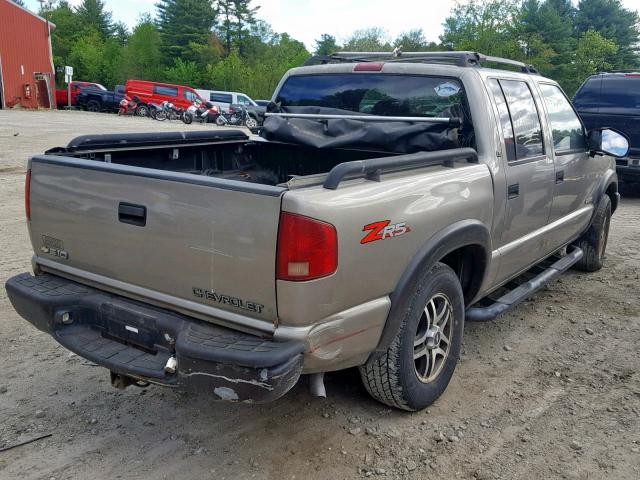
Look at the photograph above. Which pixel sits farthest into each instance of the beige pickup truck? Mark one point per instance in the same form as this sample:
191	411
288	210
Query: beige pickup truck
387	199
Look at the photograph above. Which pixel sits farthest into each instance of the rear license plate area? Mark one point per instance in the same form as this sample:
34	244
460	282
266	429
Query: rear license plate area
129	327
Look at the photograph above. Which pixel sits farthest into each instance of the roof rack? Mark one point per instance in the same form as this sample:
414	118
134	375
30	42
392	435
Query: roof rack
604	72
460	59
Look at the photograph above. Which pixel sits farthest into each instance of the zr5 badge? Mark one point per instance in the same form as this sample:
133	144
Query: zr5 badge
383	229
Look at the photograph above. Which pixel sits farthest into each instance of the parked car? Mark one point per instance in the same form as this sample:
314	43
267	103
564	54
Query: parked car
224	100
230	265
154	92
76	87
613	100
94	99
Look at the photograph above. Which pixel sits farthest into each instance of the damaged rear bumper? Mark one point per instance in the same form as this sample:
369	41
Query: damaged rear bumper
138	341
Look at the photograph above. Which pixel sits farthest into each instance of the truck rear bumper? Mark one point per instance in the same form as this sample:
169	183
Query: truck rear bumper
151	344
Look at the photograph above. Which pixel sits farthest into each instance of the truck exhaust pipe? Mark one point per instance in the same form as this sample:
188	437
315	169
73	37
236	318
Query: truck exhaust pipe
316	384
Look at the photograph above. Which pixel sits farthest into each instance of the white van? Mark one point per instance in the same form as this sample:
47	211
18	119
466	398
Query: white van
224	99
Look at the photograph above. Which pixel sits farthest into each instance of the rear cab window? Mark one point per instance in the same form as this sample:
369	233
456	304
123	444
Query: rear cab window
620	94
377	94
519	119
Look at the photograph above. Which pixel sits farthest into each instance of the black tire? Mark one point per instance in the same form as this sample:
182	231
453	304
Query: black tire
93	106
142	111
187	118
220	121
594	241
392	378
251	122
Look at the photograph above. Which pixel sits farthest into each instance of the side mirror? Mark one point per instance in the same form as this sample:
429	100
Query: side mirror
607	141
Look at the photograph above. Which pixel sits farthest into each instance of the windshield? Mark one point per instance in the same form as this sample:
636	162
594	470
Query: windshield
375	94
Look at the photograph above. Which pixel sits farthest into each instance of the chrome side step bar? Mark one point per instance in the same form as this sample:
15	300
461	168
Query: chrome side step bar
524	290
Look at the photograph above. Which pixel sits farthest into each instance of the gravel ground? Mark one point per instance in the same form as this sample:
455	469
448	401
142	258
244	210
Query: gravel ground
549	390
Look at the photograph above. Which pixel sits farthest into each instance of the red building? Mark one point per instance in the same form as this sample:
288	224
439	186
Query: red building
26	65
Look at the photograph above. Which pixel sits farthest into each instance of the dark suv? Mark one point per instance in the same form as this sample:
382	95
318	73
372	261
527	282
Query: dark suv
613	100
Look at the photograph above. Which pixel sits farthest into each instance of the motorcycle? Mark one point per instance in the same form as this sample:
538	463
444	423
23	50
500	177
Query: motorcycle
128	106
154	110
168	110
202	112
236	116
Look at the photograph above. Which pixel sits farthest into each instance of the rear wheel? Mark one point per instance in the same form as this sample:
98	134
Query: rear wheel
187	118
220	121
142	111
419	363
93	106
594	241
160	115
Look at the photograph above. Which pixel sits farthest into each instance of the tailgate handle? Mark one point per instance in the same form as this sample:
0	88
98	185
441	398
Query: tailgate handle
132	214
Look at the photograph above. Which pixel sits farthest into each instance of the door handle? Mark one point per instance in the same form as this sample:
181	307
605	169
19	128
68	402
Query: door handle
132	214
560	176
513	191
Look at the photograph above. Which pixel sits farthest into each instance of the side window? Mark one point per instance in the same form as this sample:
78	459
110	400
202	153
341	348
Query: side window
524	118
505	119
242	100
568	133
221	97
163	90
189	95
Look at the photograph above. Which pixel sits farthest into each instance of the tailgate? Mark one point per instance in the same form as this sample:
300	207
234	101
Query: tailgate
201	245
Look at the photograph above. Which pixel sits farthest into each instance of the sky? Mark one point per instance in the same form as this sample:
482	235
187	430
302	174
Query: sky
306	20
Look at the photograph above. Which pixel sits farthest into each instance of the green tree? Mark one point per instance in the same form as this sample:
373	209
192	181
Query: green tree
86	56
238	18
245	17
184	24
91	14
613	22
326	45
414	41
225	11
483	26
142	58
373	39
120	33
65	33
594	53
183	73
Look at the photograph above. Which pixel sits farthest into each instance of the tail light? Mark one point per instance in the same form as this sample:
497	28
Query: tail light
307	248
27	195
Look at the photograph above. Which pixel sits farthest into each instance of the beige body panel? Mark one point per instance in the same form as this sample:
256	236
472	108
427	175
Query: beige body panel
195	236
427	200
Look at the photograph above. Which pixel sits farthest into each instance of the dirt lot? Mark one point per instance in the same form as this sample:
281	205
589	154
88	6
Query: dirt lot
550	390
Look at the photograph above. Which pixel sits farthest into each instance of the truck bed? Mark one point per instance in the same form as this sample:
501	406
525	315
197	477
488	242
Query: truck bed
228	154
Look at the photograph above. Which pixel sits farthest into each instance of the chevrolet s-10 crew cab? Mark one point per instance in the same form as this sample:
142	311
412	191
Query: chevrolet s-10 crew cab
387	198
